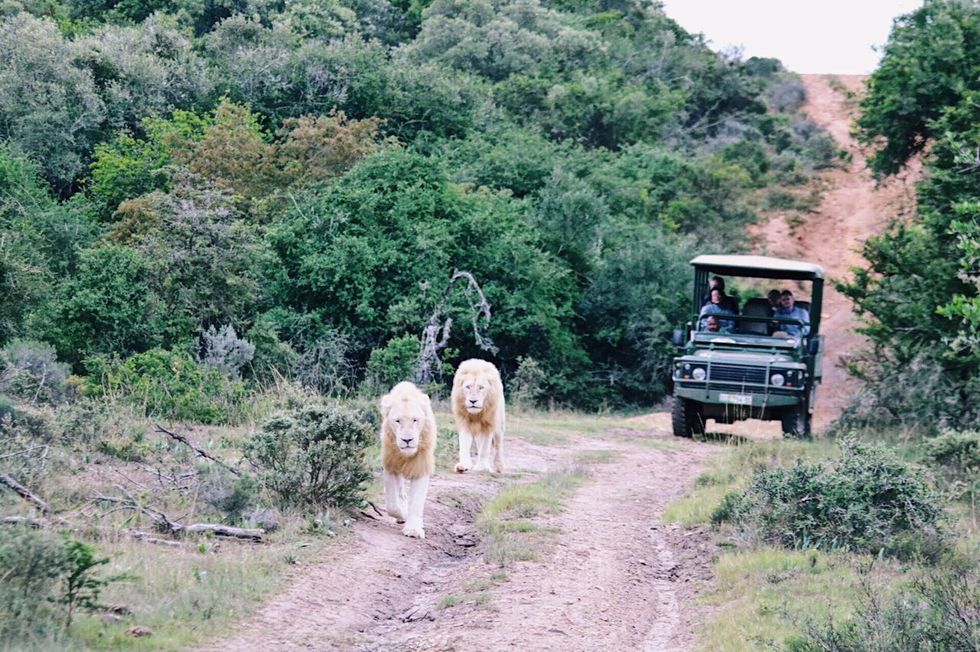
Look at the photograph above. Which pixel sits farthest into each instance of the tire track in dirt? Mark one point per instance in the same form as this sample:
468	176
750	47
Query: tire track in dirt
613	576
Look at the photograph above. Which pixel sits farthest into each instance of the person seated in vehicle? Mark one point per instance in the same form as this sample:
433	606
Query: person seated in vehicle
715	307
774	296
789	310
711	324
727	302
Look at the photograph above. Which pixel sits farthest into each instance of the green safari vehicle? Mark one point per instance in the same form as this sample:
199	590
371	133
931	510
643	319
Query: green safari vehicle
760	366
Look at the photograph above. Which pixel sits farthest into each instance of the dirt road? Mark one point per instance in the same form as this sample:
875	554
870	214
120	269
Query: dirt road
610	575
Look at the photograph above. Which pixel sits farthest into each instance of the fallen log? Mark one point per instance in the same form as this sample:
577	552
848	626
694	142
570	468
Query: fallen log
166	524
24	493
254	534
35	523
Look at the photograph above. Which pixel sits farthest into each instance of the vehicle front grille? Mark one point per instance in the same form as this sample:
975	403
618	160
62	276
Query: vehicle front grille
728	373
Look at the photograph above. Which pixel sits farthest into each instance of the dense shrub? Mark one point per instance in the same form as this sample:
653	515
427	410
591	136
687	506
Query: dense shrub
867	500
956	455
46	579
31	371
167	384
938	611
313	456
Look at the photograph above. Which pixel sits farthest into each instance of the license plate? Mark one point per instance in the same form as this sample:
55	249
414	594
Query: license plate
736	399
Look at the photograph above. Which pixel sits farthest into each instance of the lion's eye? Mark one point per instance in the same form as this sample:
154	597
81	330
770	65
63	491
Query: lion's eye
398	420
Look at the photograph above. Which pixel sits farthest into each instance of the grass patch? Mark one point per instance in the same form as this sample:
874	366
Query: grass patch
762	597
448	601
732	470
505	520
598	457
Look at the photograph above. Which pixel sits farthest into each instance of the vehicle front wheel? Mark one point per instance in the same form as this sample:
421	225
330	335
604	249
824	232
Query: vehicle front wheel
687	418
796	422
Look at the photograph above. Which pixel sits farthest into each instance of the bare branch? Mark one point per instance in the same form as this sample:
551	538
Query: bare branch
182	439
24	493
435	335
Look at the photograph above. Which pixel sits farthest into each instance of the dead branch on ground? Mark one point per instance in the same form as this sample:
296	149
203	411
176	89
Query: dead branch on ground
182	439
24	493
172	527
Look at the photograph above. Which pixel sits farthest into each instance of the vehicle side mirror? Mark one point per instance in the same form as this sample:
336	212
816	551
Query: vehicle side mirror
813	346
678	337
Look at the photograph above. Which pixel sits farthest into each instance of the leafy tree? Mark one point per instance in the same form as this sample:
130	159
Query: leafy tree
931	59
40	86
107	307
918	294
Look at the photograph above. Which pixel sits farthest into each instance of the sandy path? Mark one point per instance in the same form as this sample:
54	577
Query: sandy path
610	577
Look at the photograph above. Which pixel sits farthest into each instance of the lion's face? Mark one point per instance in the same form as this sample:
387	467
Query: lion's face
406	421
474	392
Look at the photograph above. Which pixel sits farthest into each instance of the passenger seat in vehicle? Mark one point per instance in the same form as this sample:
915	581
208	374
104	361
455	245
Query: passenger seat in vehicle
757	307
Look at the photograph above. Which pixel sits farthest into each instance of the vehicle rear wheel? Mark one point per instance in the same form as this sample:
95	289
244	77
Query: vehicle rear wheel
687	418
796	422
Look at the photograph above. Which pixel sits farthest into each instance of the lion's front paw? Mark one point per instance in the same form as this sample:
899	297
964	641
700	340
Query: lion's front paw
462	468
414	530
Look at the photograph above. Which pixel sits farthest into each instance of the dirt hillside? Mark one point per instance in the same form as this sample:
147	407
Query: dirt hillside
852	209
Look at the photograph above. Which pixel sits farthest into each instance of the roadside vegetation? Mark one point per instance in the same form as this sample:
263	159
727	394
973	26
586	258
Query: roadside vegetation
870	540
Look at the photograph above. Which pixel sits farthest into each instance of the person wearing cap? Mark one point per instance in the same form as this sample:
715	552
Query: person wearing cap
789	310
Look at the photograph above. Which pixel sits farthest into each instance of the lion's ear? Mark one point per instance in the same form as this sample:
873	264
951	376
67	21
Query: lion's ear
385	404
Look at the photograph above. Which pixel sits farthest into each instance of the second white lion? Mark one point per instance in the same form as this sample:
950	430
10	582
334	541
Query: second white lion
478	408
408	454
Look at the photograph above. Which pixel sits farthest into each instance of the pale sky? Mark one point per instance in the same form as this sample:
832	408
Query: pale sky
808	36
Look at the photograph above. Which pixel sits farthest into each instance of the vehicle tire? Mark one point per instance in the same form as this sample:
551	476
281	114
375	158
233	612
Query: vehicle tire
686	417
796	422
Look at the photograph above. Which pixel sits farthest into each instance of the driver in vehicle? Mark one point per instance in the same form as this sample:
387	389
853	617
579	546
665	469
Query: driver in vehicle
789	310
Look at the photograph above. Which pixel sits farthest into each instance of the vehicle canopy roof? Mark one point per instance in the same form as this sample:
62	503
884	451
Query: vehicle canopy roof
759	267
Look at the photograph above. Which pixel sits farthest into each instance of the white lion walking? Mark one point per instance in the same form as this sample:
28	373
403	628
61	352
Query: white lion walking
478	408
408	454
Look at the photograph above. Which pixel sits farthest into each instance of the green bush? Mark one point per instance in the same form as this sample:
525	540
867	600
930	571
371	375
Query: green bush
46	580
167	384
31	372
937	611
312	456
957	458
394	362
867	501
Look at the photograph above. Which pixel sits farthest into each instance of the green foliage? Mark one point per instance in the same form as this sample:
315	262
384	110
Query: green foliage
936	611
919	293
931	60
30	371
956	455
394	362
31	563
80	585
108	307
865	501
313	456
41	570
40	86
167	384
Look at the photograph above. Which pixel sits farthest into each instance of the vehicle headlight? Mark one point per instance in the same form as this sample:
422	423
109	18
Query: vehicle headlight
699	373
777	379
